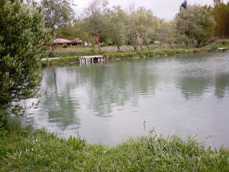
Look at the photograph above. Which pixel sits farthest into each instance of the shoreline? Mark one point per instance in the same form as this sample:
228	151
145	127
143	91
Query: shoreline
24	149
114	56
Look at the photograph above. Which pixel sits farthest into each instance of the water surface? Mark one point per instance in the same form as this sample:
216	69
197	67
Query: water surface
108	103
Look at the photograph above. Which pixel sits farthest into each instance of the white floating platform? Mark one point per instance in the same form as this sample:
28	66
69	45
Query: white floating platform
92	59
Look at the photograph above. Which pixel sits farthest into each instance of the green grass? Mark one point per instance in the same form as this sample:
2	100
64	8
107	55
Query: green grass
73	51
71	55
219	44
112	52
151	53
25	150
60	60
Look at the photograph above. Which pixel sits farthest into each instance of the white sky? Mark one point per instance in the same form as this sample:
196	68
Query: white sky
165	9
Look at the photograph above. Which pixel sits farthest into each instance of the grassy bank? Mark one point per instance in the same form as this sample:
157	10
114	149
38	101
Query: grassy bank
151	53
24	150
112	56
60	60
71	55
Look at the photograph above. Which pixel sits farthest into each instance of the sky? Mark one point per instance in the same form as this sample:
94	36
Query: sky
165	9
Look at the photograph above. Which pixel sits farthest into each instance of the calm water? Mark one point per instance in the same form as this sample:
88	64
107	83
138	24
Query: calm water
108	103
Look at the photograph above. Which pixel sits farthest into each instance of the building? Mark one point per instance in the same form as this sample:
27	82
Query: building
65	42
61	42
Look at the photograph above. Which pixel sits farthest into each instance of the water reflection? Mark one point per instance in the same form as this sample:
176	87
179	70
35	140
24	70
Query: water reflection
56	101
107	103
110	86
221	85
193	86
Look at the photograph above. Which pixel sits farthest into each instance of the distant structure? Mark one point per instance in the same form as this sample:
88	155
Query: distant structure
92	59
61	42
65	42
184	5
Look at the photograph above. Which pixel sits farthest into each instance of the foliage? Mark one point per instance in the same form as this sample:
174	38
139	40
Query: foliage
192	27
117	33
68	32
166	34
195	25
114	26
3	118
22	40
139	27
24	150
99	22
96	22
58	13
142	27
221	14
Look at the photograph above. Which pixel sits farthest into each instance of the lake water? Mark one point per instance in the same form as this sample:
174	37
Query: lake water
109	103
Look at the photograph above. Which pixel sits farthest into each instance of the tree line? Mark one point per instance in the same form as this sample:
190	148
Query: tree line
192	27
102	24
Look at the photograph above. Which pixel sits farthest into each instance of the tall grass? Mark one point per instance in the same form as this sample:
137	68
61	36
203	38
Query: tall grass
25	150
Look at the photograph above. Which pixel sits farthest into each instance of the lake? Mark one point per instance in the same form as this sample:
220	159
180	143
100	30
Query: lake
109	103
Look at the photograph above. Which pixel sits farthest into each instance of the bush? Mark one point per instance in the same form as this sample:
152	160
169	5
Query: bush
22	40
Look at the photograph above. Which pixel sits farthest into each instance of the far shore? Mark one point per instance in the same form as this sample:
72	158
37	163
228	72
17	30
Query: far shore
71	55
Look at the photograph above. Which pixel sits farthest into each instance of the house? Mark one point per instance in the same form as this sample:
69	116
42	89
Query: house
61	42
65	42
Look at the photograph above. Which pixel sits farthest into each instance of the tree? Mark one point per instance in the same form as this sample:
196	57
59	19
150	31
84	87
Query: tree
117	27
195	25
166	33
58	13
221	14
141	28
96	22
22	39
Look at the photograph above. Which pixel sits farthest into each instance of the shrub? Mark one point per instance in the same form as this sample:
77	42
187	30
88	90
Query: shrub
22	40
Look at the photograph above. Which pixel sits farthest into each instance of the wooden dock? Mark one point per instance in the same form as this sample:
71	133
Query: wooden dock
92	59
